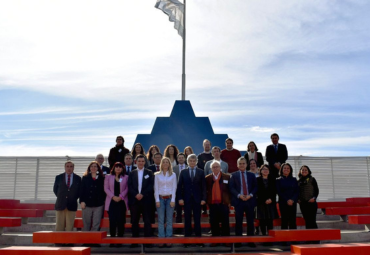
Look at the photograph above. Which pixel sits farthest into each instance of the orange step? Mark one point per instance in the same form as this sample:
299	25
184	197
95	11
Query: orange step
305	234
359	219
32	250
68	236
332	249
347	210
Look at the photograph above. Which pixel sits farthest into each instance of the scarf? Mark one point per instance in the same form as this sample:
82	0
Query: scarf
216	190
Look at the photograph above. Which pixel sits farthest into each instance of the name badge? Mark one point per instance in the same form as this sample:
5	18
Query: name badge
226	181
104	172
120	179
119	150
96	177
146	176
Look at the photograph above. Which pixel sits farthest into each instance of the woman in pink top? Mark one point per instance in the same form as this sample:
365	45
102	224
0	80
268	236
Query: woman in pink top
116	203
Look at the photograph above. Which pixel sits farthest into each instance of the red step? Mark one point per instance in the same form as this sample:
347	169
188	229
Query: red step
333	204
68	236
32	250
21	213
10	222
49	207
9	203
305	234
332	249
358	200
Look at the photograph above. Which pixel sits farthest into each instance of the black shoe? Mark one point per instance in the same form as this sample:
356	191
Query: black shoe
134	245
69	245
238	245
186	245
59	244
204	212
118	245
252	245
201	245
149	245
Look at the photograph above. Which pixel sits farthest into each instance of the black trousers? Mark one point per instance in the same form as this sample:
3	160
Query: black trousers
191	207
266	225
248	208
117	218
309	211
288	215
137	209
219	213
178	209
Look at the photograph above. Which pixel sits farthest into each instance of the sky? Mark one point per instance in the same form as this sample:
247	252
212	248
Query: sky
75	74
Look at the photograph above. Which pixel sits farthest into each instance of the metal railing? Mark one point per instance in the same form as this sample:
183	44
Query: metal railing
32	178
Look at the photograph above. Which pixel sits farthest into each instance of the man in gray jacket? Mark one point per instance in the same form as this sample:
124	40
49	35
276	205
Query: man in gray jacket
216	153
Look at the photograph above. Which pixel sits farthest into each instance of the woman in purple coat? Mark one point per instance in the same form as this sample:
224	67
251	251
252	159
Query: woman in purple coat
116	203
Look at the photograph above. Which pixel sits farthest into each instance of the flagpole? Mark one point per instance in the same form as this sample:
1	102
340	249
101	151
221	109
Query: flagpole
183	54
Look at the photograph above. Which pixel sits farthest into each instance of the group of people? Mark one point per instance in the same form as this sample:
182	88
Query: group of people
188	183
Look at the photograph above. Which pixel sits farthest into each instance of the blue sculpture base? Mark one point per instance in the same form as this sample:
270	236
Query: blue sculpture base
182	129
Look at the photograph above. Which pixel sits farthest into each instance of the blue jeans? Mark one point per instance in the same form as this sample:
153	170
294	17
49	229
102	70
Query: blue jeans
165	211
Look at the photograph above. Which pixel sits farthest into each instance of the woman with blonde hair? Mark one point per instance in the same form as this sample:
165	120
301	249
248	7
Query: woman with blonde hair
165	185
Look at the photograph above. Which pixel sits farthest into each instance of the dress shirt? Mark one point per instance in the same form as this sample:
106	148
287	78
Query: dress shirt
216	176
140	173
165	185
192	169
181	167
251	155
70	184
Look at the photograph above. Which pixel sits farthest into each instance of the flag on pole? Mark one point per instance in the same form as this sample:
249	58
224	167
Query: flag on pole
175	10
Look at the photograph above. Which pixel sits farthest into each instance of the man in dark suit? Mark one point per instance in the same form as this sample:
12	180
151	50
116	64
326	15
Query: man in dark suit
276	155
157	157
218	200
243	189
140	197
67	190
128	163
100	159
191	191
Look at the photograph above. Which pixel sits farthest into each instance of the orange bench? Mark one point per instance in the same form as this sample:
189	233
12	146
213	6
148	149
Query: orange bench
32	250
9	222
343	212
69	236
274	236
360	219
331	249
105	224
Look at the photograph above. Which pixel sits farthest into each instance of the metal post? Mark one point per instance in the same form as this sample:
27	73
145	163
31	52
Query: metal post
15	177
368	172
332	177
37	177
183	54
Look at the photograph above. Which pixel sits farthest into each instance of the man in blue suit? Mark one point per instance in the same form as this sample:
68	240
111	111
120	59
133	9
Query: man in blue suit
191	192
243	189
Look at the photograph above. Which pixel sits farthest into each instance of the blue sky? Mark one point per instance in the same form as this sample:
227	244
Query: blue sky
75	74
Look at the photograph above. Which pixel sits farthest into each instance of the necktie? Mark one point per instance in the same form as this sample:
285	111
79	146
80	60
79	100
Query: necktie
69	181
245	190
157	168
275	148
128	169
192	174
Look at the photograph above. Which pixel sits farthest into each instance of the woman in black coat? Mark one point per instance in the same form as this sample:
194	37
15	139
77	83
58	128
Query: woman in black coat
266	199
252	153
308	193
288	191
92	197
